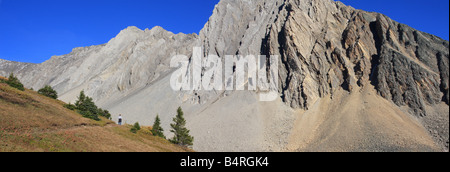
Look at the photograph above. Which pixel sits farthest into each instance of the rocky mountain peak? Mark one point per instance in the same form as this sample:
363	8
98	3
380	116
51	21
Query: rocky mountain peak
325	46
157	29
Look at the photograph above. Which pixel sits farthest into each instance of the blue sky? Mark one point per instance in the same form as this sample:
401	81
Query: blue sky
431	16
35	30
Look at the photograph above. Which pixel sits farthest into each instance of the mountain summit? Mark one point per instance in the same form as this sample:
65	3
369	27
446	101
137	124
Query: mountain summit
349	80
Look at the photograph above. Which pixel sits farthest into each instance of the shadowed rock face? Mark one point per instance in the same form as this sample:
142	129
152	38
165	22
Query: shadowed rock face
323	45
323	49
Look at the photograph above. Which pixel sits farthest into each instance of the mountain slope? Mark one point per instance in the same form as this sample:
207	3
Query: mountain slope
132	60
359	121
326	50
325	46
333	47
32	122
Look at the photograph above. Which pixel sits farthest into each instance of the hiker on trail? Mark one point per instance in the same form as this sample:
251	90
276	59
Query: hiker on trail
120	119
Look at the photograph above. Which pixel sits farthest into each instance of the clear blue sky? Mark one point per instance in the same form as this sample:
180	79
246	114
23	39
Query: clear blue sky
431	16
35	30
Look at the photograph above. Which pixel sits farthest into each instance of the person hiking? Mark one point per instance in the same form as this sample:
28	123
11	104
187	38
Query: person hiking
120	119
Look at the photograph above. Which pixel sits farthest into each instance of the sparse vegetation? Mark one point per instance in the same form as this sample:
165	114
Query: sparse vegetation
48	91
181	136
15	96
136	127
70	106
14	82
157	130
31	122
104	113
87	108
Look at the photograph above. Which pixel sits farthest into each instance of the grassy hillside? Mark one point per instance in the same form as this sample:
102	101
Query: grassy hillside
32	122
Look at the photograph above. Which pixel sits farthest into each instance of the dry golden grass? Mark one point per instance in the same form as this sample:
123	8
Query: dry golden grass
32	122
22	110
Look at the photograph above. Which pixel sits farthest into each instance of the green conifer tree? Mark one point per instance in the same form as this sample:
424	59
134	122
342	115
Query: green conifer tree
86	107
136	127
49	92
157	130
181	133
13	81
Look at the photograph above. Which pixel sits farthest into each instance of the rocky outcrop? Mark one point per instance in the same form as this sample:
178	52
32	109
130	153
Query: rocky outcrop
326	46
323	49
411	67
133	59
6	67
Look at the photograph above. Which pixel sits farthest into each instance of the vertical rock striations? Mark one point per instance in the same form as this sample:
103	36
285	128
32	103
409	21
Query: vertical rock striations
325	45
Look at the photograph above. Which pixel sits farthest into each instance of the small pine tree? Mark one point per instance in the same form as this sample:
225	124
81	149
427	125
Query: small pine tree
70	106
104	113
81	99
136	127
14	82
157	129
88	114
49	92
181	136
86	107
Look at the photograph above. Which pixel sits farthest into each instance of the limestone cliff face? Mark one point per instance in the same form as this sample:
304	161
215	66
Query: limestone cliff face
324	46
323	49
133	59
410	67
